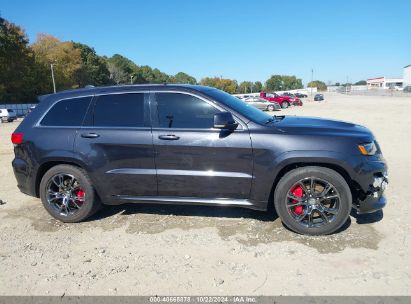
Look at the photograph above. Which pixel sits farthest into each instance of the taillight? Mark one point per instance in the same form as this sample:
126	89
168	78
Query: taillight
17	138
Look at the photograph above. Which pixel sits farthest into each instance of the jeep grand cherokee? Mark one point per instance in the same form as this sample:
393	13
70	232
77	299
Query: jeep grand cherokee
186	144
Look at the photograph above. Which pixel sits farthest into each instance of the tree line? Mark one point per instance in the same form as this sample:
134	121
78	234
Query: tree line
25	69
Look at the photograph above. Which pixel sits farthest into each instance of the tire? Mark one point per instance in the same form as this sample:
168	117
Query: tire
270	108
285	105
317	223
89	205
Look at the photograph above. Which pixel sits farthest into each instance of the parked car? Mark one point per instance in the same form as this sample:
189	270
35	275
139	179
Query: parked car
318	97
187	144
7	115
262	104
300	95
407	89
284	101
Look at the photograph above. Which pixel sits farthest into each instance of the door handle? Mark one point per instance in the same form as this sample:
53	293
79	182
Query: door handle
90	135
169	137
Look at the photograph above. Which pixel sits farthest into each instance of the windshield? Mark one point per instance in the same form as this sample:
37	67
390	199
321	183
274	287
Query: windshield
240	106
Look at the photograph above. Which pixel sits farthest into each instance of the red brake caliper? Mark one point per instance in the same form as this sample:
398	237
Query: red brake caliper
298	192
80	195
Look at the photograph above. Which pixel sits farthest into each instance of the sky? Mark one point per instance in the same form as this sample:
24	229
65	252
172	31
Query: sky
237	39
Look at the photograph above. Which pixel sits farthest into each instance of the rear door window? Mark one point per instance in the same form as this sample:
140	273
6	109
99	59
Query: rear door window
119	110
67	112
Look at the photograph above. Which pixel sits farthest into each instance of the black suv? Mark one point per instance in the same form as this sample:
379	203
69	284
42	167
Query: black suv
185	144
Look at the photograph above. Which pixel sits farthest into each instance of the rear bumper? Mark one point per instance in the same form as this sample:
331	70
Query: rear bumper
23	176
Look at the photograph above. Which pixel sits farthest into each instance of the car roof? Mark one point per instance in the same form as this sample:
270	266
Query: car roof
125	88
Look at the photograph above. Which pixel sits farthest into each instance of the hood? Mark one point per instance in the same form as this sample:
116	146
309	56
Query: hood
320	126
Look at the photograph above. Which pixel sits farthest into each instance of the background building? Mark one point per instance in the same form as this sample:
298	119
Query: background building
384	83
407	76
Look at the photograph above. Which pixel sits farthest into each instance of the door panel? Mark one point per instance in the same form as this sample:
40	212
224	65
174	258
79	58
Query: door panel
203	162
117	146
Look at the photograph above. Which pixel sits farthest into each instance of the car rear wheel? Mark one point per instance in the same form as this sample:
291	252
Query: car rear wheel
270	108
285	105
67	194
313	200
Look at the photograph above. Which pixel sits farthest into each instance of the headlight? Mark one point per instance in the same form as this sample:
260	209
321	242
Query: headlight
368	148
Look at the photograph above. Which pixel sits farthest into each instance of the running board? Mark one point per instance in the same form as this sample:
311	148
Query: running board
190	201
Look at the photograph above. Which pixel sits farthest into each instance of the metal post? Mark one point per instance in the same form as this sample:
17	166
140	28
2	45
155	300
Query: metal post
131	79
312	79
346	86
52	77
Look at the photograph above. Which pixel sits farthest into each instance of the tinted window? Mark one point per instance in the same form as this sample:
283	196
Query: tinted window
119	110
240	106
68	112
184	111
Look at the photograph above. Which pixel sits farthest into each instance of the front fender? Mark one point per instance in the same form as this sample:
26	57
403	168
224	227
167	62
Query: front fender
267	174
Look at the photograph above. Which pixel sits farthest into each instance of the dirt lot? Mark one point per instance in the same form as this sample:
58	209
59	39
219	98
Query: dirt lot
172	250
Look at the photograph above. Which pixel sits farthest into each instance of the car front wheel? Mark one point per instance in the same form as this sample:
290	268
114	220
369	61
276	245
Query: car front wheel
270	108
313	200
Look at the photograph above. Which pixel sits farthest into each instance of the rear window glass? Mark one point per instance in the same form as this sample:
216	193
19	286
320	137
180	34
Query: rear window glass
67	112
119	110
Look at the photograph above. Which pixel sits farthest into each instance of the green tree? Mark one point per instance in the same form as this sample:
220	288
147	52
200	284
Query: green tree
160	77
283	82
227	85
258	86
245	87
292	83
93	69
122	69
320	85
274	83
17	65
181	77
361	82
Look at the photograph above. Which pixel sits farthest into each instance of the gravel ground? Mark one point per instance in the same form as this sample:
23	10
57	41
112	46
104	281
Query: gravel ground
177	250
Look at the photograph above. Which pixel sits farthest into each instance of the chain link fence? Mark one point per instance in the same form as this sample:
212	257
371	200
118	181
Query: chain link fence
21	109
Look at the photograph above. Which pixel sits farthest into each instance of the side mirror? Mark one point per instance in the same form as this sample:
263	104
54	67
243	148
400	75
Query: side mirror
225	120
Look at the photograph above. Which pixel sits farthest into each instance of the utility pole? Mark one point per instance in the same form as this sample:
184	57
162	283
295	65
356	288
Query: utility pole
52	77
346	86
312	79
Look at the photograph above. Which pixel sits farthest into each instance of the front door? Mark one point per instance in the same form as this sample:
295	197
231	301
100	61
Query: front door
192	158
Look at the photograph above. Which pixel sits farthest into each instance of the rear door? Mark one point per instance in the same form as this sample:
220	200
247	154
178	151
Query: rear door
116	144
192	158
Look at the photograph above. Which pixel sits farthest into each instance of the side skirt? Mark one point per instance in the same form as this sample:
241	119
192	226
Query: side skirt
175	200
